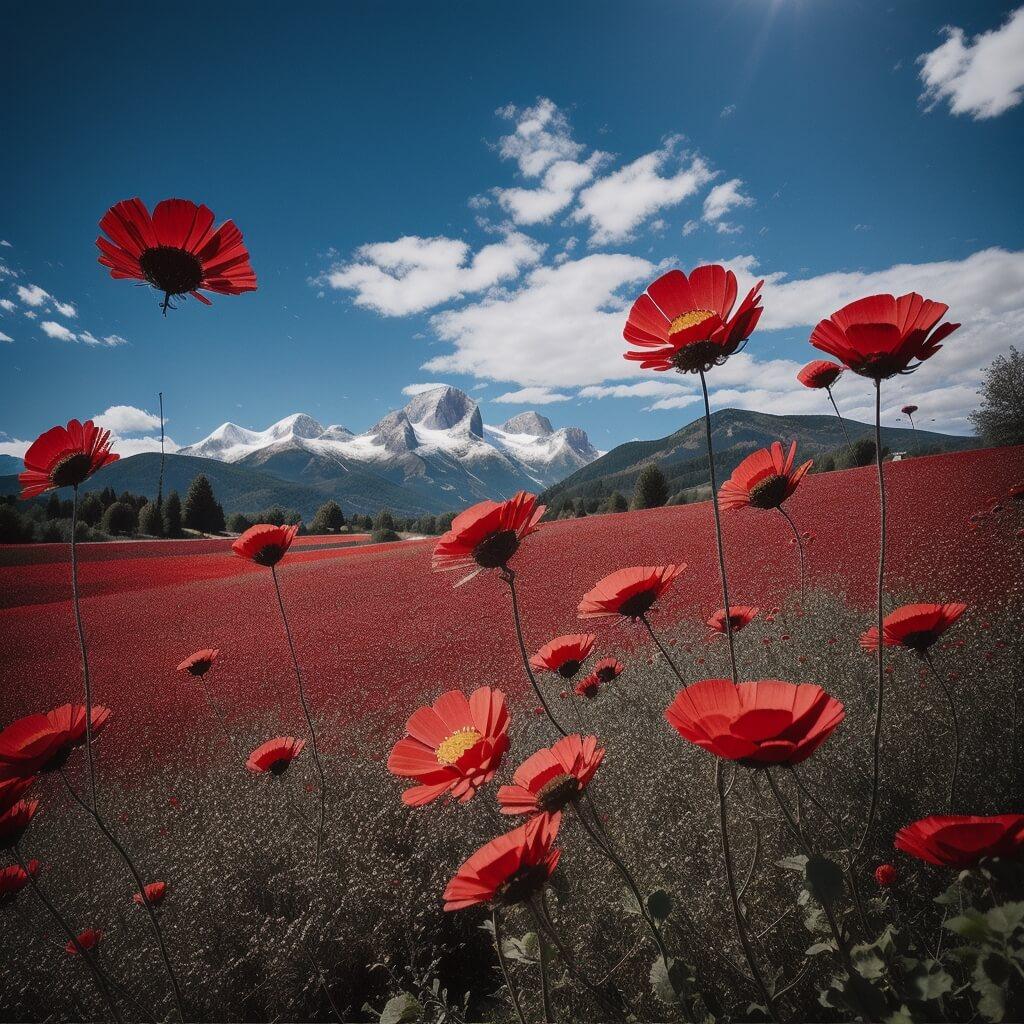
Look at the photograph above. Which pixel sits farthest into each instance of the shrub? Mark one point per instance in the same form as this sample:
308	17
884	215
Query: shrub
172	515
383	536
120	519
90	509
238	523
651	488
328	519
201	511
150	520
14	527
384	521
1000	417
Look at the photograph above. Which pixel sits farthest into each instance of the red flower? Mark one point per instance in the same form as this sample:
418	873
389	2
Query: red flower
759	723
15	820
12	789
683	323
565	654
553	777
155	893
65	457
820	373
908	410
630	593
199	664
916	626
882	335
885	875
764	479
43	743
87	940
177	250
453	747
961	840
739	616
605	671
275	755
1017	492
488	534
265	544
507	870
13	879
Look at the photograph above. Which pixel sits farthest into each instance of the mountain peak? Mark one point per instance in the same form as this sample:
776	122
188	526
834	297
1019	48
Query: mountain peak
296	425
445	408
528	423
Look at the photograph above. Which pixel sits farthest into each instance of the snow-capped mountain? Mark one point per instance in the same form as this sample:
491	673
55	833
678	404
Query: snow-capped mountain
437	447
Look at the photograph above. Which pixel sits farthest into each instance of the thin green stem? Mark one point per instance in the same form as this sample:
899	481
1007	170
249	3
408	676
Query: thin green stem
956	730
542	955
665	654
496	922
842	422
800	548
218	711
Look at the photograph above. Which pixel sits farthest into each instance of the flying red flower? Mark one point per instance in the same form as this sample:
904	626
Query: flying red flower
881	335
510	869
177	250
915	626
739	616
155	893
764	479
454	746
65	457
758	723
908	410
546	782
885	875
89	939
43	743
683	323
565	654
275	755
488	534
630	593
199	664
14	820
13	879
820	373
961	840
265	544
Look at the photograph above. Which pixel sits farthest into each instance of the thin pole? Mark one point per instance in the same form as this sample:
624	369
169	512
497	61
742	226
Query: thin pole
800	548
160	483
956	729
496	922
842	422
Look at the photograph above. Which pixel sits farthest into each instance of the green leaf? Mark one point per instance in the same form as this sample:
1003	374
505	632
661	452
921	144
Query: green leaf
992	1004
796	863
525	950
821	947
1006	918
931	984
659	904
670	984
401	1009
869	964
950	896
970	925
824	878
866	998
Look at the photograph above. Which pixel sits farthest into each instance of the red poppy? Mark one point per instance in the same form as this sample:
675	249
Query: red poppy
565	654
14	820
155	893
265	544
683	323
89	939
605	671
488	534
758	723
454	746
820	373
885	875
13	879
1017	492
740	615
199	664
630	593
177	250
510	869
43	743
764	479
881	335
553	777
908	410
916	626
12	789
275	755
961	840
65	457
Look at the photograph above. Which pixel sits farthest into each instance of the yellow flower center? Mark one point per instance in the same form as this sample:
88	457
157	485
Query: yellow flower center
451	749
689	319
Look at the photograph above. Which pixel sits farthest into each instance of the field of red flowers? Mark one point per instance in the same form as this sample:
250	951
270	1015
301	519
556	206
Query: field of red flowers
376	630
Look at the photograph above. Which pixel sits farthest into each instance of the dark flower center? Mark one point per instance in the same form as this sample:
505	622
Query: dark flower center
770	493
919	641
522	884
561	790
71	470
699	356
568	668
589	689
279	766
171	270
200	668
496	549
271	554
639	604
606	674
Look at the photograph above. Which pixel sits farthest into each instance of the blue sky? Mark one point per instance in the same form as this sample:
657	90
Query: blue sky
473	194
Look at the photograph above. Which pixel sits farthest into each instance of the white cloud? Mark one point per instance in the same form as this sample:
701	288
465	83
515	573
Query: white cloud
57	331
15	448
644	389
5	337
413	274
125	446
720	200
728	111
110	341
5	271
5	243
127	419
65	309
983	76
531	396
556	191
8	305
419	389
33	295
614	206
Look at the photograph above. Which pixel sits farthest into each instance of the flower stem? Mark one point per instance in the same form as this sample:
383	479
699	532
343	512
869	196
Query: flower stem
219	712
661	647
880	685
956	730
160	479
800	548
542	950
130	864
97	974
509	576
842	422
741	925
309	721
718	527
496	922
